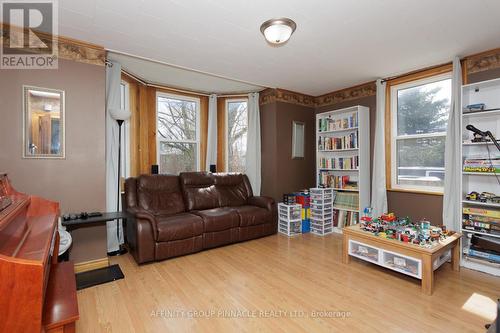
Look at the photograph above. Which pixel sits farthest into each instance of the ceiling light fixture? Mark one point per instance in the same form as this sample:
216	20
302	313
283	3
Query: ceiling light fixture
278	31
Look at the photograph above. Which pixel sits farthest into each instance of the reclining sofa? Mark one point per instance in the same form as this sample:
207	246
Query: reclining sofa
178	215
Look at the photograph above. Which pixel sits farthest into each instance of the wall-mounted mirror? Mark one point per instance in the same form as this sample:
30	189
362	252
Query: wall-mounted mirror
298	136
43	123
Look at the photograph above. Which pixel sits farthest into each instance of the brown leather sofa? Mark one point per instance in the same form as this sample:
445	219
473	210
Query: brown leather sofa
177	215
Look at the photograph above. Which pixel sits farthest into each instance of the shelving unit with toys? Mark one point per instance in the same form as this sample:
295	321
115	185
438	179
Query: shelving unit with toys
480	180
343	161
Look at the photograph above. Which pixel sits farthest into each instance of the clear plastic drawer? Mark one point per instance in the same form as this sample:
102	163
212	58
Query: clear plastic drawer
403	264
363	251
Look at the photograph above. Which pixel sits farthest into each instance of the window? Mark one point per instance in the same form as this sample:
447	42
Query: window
236	134
419	117
178	133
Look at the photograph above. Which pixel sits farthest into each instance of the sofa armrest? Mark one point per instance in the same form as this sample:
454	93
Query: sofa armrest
261	201
141	235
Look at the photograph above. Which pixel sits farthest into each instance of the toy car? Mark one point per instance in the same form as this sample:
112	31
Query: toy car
472	196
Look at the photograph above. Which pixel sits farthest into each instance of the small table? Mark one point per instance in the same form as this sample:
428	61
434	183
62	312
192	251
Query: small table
409	259
101	275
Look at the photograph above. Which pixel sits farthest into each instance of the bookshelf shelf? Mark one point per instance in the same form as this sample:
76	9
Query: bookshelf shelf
348	131
478	203
339	130
480	233
475	154
345	189
337	150
481	173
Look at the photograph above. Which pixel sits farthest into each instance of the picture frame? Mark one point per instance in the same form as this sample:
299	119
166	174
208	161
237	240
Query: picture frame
44	120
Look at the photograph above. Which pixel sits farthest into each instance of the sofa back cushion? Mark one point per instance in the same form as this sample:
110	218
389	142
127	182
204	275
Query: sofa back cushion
233	189
199	190
160	194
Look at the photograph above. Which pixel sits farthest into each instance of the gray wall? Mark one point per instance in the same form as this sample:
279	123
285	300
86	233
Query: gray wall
78	181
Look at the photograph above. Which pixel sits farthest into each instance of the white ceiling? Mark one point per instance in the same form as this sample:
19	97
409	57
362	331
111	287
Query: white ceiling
175	77
337	44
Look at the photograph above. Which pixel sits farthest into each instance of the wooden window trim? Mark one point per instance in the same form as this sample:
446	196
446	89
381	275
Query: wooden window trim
413	76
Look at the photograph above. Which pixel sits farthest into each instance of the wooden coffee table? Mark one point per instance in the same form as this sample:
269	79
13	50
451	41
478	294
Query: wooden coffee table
410	259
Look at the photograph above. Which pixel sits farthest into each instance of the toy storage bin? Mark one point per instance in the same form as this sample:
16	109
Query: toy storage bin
290	228
321	228
403	264
446	256
363	251
290	222
289	212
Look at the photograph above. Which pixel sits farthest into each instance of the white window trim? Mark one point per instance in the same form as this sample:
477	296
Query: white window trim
226	130
197	141
394	130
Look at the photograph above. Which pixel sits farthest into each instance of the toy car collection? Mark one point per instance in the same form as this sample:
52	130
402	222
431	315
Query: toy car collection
483	197
403	229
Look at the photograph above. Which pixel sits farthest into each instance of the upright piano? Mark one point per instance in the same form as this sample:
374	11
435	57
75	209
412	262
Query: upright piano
37	294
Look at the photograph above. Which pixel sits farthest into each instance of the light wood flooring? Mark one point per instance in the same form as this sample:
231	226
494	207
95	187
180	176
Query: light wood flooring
277	284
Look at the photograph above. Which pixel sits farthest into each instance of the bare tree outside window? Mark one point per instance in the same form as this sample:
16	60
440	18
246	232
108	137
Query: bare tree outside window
177	134
237	127
421	118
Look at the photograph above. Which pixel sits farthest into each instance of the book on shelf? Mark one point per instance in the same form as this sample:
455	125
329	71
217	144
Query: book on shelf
479	223
345	200
494	213
477	253
345	163
349	141
329	179
482	165
342	218
335	124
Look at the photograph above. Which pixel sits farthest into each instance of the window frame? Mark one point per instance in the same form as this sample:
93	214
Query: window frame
226	126
411	80
197	141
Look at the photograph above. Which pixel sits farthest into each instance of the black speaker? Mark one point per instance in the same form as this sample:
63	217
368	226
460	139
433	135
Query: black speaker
154	169
213	168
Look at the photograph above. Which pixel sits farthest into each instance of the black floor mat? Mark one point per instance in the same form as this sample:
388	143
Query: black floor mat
98	276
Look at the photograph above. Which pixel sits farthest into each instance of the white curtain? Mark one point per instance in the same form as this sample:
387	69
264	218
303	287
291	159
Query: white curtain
113	80
379	192
253	143
452	159
212	132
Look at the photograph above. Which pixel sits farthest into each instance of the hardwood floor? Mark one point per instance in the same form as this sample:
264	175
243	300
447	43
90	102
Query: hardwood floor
249	286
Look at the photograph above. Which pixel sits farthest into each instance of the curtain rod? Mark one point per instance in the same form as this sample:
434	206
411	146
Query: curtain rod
413	72
176	89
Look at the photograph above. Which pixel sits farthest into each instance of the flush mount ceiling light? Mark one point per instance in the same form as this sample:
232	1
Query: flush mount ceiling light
278	31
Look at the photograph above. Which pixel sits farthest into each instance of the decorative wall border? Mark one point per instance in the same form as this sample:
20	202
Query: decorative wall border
271	95
483	61
70	49
348	94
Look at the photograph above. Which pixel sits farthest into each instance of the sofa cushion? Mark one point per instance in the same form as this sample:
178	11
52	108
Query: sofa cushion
160	194
218	219
199	191
232	189
252	215
179	226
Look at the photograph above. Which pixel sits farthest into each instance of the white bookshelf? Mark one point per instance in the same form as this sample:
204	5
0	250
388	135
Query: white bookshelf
487	92
361	174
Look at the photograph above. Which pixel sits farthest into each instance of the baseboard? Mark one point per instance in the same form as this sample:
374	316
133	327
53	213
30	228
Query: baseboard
91	265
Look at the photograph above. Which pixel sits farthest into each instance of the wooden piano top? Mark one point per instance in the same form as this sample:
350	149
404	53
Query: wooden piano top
27	225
